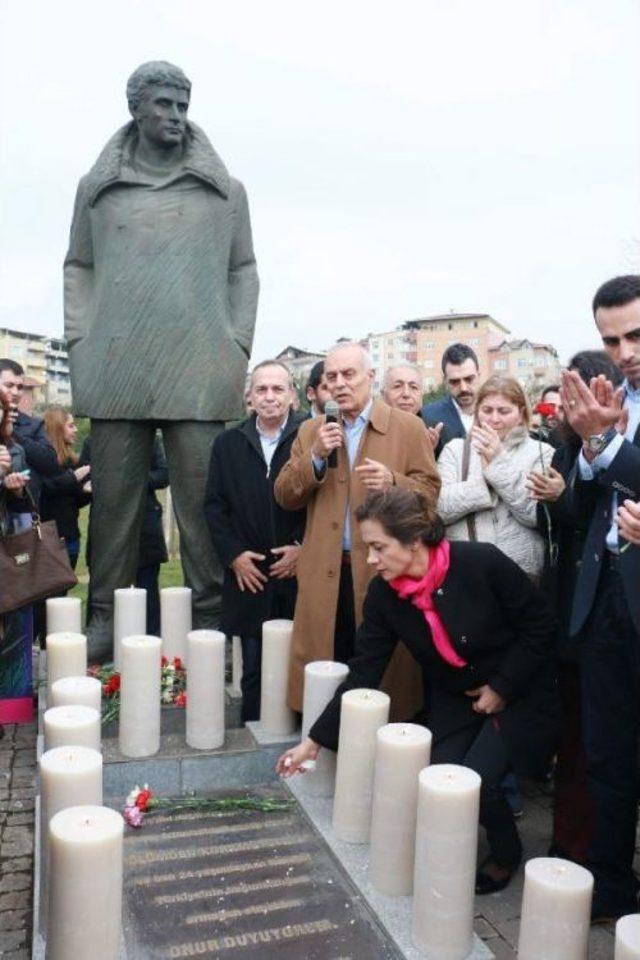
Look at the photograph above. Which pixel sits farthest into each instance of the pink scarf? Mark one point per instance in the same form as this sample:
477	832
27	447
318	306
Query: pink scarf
421	593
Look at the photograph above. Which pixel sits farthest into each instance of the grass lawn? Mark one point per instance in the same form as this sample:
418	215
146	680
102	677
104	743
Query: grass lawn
170	573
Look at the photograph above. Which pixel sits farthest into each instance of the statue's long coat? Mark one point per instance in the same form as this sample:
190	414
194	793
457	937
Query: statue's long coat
161	288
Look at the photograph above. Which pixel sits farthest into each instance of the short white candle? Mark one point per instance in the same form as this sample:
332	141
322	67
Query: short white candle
85	889
77	691
72	725
64	615
66	656
129	617
140	684
321	680
628	937
556	910
205	689
445	861
402	751
175	620
236	665
362	713
275	716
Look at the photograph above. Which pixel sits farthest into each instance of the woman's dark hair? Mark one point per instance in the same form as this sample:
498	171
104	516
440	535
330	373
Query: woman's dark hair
4	426
405	515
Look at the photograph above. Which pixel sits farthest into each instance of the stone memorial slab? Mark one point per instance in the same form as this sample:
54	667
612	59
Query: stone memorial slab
243	884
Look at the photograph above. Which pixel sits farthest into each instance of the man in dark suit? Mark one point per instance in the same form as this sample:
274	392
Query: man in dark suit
606	606
453	415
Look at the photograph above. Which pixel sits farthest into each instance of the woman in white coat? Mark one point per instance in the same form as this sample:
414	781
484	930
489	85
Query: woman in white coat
484	494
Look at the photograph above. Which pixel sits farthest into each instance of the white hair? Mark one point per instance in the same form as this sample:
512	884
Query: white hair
348	345
403	366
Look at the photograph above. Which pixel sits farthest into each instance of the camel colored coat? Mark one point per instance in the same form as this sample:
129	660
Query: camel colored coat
400	441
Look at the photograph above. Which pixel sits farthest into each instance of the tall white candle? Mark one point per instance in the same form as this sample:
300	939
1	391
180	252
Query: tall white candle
363	712
445	861
175	620
66	656
129	617
72	725
68	776
77	691
402	751
556	910
236	665
140	696
321	680
275	716
205	689
628	937
85	889
64	615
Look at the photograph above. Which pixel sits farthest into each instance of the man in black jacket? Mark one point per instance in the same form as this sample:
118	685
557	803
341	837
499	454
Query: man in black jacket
28	431
606	606
452	416
257	541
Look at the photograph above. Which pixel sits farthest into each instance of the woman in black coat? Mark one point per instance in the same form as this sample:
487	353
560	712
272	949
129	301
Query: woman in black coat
483	637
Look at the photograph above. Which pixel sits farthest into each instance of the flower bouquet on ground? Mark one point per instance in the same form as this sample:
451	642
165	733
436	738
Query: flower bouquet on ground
142	802
173	684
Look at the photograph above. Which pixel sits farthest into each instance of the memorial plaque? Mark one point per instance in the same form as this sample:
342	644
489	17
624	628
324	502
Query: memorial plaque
239	885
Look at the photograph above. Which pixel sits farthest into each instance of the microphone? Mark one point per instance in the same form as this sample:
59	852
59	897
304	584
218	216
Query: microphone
332	415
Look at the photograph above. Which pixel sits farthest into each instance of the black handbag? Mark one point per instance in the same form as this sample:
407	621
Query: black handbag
33	564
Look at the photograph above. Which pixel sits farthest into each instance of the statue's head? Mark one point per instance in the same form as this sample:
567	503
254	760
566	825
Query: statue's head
158	95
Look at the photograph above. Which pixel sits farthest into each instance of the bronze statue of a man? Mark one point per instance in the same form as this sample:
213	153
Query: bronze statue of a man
161	293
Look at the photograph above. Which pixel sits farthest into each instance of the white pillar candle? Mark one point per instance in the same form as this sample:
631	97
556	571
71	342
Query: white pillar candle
628	938
140	696
445	861
321	680
85	889
66	656
363	713
205	689
236	665
64	615
72	725
129	617
275	716
556	910
402	751
77	691
175	620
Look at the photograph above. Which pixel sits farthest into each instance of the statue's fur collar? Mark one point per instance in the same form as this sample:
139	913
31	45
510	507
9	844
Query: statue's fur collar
199	159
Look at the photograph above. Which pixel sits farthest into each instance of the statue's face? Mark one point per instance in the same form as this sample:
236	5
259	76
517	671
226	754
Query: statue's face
162	115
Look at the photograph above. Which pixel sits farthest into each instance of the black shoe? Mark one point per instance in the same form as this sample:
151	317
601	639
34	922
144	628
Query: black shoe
487	883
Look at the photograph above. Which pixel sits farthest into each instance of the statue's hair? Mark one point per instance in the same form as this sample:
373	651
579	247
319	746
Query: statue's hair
155	73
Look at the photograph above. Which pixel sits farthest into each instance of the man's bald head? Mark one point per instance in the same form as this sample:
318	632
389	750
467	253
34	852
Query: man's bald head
349	374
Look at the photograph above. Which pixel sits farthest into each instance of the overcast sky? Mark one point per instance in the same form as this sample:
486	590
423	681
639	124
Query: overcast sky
401	159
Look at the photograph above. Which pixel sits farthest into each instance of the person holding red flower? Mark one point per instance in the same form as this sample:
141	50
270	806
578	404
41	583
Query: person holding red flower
477	628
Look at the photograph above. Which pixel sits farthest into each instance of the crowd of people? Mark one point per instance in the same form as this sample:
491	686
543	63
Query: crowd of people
477	557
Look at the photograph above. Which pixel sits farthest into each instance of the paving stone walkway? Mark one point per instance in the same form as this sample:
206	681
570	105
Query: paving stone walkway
17	790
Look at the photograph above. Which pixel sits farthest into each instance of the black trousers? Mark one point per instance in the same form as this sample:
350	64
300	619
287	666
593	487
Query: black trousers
481	748
610	673
345	629
147	579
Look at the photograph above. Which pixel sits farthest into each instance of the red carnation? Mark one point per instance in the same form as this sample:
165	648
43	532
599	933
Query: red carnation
177	662
164	662
181	700
142	800
545	409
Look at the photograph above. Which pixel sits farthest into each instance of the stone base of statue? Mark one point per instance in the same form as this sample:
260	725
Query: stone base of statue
241	883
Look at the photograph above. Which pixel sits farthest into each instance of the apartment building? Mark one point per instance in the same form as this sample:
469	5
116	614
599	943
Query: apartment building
45	362
534	365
